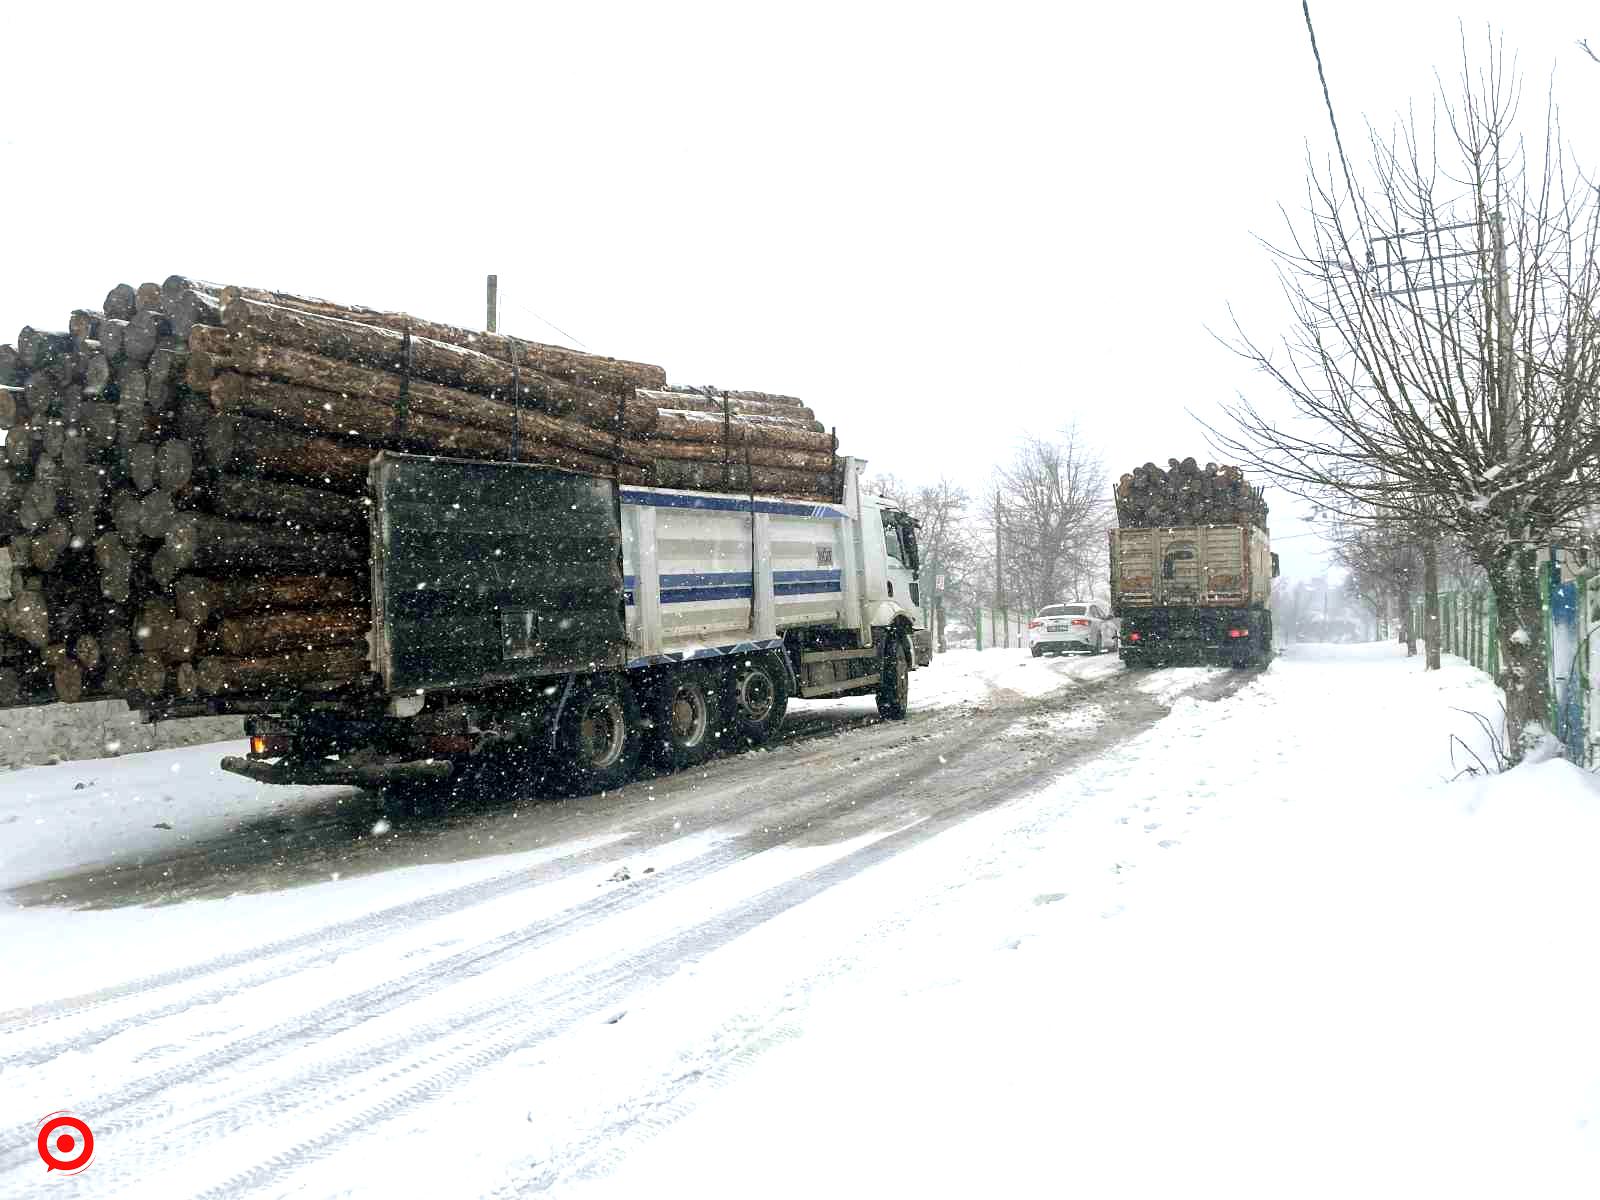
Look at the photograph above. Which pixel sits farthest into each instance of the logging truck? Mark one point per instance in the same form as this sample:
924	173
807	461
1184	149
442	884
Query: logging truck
1196	592
579	623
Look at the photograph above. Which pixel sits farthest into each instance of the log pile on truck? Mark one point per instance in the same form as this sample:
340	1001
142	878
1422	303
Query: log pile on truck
185	477
1187	494
1191	566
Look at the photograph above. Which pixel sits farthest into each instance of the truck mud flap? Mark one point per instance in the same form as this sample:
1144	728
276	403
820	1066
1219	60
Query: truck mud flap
332	772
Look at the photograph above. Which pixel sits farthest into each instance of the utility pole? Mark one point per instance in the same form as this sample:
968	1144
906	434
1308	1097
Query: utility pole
494	303
1425	272
1510	408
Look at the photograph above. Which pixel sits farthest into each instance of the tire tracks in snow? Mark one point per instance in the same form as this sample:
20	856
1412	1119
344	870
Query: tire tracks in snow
347	1012
329	942
451	1048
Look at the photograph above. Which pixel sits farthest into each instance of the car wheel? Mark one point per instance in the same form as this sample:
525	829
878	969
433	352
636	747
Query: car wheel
1038	651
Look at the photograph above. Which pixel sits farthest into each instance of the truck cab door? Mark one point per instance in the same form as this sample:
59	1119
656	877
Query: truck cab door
900	555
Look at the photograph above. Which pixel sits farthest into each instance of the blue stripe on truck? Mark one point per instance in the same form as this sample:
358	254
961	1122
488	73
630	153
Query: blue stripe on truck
735	585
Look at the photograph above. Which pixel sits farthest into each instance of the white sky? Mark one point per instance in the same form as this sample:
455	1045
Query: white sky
943	226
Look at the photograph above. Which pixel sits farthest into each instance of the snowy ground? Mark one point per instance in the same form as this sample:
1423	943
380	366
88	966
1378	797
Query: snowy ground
1044	935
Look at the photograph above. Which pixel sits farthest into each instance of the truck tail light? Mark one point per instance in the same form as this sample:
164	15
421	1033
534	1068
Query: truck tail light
1133	637
1238	633
270	746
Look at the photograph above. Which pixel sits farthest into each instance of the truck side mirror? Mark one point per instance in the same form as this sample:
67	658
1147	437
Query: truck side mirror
1274	564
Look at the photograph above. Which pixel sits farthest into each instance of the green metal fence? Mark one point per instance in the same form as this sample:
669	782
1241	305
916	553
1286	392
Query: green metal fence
1467	627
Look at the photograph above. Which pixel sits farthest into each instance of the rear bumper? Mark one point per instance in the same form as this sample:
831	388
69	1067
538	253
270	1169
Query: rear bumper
333	772
1064	641
1180	632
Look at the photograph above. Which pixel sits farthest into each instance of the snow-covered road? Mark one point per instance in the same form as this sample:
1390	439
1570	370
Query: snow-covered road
897	958
420	955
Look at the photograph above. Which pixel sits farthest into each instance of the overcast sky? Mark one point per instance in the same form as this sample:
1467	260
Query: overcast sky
943	226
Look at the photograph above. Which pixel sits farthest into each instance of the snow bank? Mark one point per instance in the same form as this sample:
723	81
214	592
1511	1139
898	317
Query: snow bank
1266	950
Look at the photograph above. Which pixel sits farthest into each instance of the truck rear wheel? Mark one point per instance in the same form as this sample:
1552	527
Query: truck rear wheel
755	699
894	679
688	718
600	735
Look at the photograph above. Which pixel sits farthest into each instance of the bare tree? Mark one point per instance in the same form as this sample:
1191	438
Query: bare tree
1385	563
1053	499
1454	385
947	543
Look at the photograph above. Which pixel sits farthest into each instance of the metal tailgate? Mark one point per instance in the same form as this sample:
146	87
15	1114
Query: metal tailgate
484	572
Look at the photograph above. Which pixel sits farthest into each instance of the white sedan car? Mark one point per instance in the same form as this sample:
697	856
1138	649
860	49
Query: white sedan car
1086	627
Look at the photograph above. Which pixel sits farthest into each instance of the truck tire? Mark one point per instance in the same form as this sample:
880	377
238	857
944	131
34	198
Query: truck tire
894	679
599	736
754	699
1264	654
687	711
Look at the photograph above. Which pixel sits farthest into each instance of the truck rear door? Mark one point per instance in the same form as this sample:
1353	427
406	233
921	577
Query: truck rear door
486	572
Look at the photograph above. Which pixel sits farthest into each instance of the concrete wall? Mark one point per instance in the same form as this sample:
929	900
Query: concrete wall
97	729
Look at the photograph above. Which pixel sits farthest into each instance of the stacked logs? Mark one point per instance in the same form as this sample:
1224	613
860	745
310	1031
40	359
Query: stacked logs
184	477
1187	494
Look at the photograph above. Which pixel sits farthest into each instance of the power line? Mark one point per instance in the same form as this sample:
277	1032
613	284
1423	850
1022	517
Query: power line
1344	162
542	320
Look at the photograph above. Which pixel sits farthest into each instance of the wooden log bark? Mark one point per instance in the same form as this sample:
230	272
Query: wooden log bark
336	666
21	451
295	506
12	372
191	308
121	302
542	438
86	651
681	425
818	462
146	676
199	599
318	376
139	465
174	464
28	618
145	332
147	297
39	348
243	446
710	477
697	401
116	644
69	682
260	633
13	406
606	374
205	543
436	362
50	544
157	512
113	335
167	366
380	351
